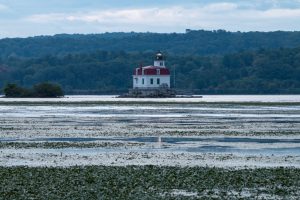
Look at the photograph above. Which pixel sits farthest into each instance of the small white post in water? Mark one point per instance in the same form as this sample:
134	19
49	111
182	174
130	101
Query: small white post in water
159	142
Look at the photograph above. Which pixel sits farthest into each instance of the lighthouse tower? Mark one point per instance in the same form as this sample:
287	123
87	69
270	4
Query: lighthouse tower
152	77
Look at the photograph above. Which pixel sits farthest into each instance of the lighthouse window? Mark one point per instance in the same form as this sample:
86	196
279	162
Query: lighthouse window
158	81
161	64
143	81
151	81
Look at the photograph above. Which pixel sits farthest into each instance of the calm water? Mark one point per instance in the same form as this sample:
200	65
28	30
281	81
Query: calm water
204	98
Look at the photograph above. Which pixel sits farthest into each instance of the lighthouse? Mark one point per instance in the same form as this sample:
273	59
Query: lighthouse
152	81
152	76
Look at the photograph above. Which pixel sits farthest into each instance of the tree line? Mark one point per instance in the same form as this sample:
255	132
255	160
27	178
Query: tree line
105	72
201	42
41	90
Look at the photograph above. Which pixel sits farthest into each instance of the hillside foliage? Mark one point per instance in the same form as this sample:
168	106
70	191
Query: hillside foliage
246	72
192	43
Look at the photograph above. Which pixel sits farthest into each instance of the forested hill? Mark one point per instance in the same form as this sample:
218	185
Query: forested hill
259	72
191	43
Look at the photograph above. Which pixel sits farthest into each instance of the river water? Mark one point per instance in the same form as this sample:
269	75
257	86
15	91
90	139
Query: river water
196	98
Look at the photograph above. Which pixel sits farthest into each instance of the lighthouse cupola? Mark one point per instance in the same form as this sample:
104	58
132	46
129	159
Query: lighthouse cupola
159	60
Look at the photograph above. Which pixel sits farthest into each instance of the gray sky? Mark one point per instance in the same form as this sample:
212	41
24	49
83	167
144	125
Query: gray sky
20	18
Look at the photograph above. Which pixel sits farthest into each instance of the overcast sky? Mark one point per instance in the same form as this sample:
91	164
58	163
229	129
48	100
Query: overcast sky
22	18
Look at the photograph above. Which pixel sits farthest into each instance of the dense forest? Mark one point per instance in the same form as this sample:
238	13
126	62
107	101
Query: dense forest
245	72
191	43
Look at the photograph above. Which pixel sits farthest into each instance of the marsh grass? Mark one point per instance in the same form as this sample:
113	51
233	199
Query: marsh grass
147	182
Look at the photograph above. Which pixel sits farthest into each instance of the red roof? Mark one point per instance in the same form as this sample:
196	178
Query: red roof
151	70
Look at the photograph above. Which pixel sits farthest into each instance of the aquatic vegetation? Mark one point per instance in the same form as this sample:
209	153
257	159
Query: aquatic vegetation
24	121
26	130
61	145
148	182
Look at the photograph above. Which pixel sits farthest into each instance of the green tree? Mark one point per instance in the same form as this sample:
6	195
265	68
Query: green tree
13	90
47	90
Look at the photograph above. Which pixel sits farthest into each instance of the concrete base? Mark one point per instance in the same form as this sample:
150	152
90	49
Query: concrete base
150	93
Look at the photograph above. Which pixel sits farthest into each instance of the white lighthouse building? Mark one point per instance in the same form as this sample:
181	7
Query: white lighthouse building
152	80
153	76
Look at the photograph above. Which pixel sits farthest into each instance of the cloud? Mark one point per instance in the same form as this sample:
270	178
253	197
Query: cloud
138	16
212	16
3	7
220	7
281	13
231	15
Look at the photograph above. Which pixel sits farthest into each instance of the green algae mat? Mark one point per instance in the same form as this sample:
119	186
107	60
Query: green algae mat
148	182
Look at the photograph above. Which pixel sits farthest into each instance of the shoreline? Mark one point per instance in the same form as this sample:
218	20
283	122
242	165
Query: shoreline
82	103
